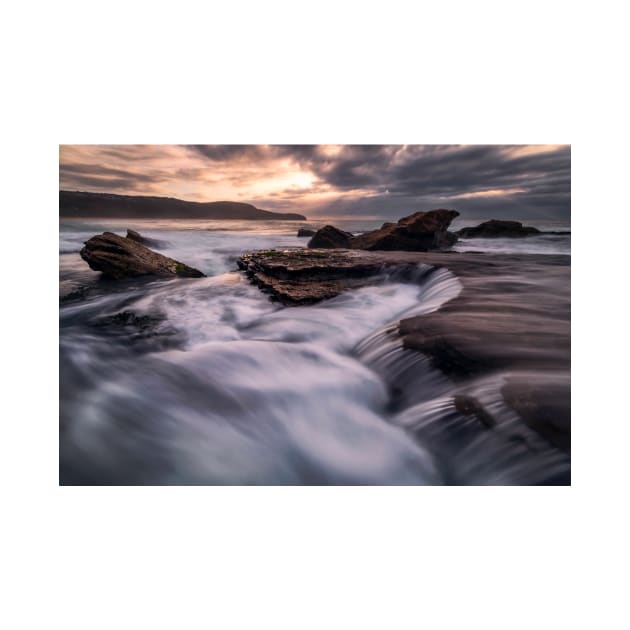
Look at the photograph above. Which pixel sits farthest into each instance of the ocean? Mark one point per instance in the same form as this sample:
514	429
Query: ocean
206	381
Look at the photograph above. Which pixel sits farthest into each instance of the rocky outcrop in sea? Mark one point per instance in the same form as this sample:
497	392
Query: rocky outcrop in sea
498	229
122	257
418	232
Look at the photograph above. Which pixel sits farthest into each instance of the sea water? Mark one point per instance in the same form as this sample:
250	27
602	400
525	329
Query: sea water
206	381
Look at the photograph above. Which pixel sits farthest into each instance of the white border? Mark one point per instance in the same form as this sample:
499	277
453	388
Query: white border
245	72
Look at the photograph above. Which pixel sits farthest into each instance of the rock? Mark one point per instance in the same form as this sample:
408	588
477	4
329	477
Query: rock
135	236
129	318
470	406
498	229
296	277
149	242
119	257
330	237
419	232
146	333
512	313
305	232
544	403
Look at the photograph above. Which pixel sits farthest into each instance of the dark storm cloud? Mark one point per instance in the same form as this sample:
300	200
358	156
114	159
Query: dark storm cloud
422	172
479	180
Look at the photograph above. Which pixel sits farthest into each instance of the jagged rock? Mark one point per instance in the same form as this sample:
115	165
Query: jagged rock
305	232
149	242
498	229
419	232
119	257
330	237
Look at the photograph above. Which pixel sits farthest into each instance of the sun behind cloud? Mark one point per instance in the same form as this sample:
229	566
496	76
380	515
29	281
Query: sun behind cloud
325	180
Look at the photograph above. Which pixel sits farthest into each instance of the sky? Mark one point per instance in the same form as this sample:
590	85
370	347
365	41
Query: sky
368	181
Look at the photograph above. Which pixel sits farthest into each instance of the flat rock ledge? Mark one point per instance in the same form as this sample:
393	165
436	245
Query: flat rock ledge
118	257
297	277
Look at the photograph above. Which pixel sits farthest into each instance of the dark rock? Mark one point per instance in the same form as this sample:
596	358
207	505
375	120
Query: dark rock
330	237
145	333
298	277
135	236
149	242
544	403
419	232
119	257
513	312
77	294
470	406
498	229
129	318
512	317
305	232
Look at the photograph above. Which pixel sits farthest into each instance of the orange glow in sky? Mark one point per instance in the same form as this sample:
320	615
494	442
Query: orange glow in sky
378	180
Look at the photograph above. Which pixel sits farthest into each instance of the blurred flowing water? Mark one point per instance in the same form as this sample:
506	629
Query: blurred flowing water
205	381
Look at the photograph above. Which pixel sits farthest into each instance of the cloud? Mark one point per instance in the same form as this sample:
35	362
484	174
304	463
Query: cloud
379	180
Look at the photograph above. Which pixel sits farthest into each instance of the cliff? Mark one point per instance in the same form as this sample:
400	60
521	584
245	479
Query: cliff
106	205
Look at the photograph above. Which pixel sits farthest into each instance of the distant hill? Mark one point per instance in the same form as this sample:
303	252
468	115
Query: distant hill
105	205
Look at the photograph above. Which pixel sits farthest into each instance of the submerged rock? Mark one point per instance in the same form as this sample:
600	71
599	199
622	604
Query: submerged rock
119	257
305	232
330	237
419	232
498	229
148	332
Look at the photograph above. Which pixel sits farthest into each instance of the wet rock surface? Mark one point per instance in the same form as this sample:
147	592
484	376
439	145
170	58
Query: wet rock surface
510	324
513	311
119	257
418	232
295	277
